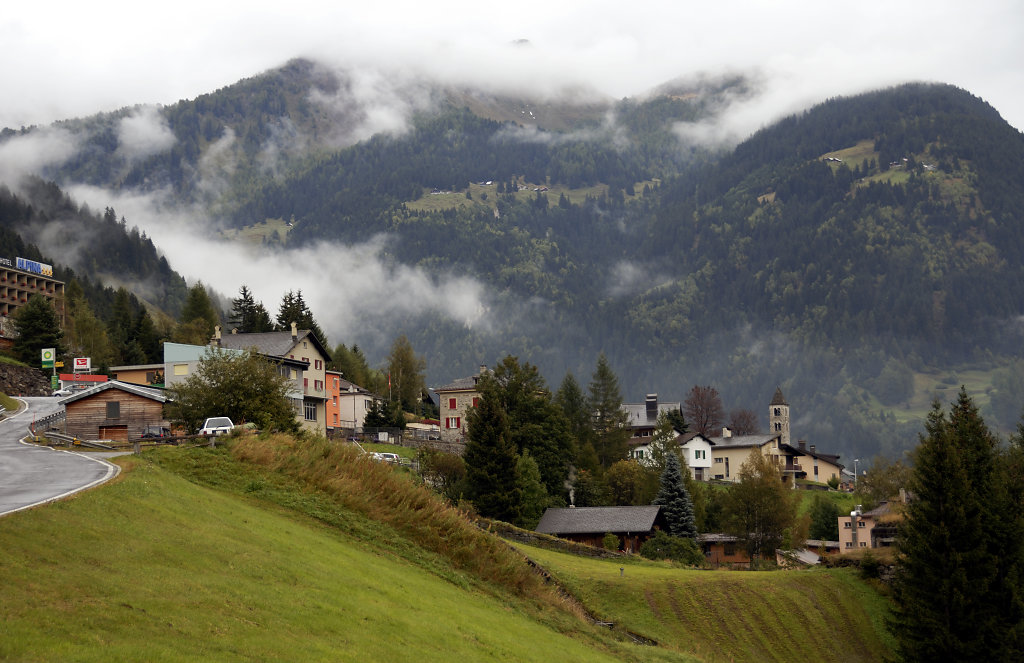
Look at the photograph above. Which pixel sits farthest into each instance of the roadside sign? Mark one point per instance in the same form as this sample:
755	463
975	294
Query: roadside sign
83	364
54	382
48	355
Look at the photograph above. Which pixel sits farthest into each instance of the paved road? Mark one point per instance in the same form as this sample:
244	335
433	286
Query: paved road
31	474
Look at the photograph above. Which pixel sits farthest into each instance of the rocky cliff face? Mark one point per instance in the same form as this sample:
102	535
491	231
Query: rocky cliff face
23	381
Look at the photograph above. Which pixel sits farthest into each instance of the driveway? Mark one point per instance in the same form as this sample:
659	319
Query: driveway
32	474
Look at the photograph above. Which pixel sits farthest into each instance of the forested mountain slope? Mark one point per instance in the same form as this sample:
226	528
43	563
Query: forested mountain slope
865	254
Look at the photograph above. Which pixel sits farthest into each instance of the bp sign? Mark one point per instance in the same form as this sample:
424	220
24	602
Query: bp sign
48	356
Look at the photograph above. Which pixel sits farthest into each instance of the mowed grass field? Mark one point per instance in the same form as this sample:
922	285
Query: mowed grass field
276	549
796	615
156	568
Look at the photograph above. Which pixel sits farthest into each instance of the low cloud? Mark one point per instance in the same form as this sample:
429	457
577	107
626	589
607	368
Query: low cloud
345	285
29	154
144	133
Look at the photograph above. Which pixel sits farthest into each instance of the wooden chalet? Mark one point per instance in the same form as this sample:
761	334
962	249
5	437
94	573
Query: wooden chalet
632	524
116	411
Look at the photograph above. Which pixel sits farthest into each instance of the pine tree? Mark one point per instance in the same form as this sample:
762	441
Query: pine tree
675	500
247	315
36	327
492	474
945	572
608	419
573	403
294	309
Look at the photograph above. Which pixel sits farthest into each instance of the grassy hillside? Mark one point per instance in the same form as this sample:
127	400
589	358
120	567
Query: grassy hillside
154	567
283	551
812	615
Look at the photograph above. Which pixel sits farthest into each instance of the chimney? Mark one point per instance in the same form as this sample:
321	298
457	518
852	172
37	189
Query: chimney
803	445
215	341
652	406
726	432
483	369
812	448
295	331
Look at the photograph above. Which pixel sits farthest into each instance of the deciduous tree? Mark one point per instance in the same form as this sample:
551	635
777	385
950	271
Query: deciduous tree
245	387
760	510
703	410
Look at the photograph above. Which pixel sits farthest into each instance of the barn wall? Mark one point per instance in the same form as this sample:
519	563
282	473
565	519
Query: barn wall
85	417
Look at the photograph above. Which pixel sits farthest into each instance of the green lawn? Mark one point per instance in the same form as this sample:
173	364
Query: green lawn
807	615
155	568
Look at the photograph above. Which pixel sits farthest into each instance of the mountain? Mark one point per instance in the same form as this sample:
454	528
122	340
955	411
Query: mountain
864	255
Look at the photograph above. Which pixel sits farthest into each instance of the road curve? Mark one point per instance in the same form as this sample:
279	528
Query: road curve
31	474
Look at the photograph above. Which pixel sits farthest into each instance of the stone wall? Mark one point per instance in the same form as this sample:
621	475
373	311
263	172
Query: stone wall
23	381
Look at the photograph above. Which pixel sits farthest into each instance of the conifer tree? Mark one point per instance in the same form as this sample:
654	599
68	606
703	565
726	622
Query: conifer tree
608	418
36	327
492	474
248	315
675	500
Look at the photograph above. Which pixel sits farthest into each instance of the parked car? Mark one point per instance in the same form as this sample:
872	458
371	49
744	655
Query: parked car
216	426
61	393
150	432
385	457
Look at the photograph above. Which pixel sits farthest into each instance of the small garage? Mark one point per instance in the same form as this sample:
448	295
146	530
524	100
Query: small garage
116	411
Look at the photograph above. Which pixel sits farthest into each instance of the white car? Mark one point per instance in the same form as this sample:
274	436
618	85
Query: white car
216	426
387	457
61	393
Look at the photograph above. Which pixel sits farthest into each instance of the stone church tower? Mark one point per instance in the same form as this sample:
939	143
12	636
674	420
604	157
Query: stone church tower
778	416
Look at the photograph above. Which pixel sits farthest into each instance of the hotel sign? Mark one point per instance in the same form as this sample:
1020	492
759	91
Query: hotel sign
40	268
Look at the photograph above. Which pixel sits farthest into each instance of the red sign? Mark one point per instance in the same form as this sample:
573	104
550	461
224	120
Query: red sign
82	364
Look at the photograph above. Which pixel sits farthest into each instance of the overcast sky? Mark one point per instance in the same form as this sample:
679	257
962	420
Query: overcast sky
65	59
70	59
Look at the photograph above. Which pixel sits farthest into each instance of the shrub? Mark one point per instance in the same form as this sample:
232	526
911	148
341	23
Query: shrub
610	541
676	548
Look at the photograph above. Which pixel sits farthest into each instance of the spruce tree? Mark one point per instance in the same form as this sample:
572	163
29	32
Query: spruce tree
944	569
675	500
608	418
36	327
492	473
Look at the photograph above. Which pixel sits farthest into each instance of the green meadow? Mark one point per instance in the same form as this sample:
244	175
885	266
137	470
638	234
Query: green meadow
280	550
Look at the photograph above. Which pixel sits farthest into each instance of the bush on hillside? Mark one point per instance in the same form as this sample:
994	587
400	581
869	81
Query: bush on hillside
676	548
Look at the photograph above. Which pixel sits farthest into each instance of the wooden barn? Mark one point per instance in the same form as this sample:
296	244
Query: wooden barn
113	410
631	524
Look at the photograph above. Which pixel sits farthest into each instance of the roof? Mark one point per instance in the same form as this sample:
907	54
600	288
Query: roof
146	392
598	519
461	384
638	416
273	344
778	398
742	440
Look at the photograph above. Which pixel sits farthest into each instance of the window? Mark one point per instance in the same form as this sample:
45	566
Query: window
476	401
639	453
451	404
719	476
778	427
305	383
113	410
453	422
815	470
309	410
849	544
337	385
778	411
718	460
860	523
846	524
863	544
181	369
318	385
